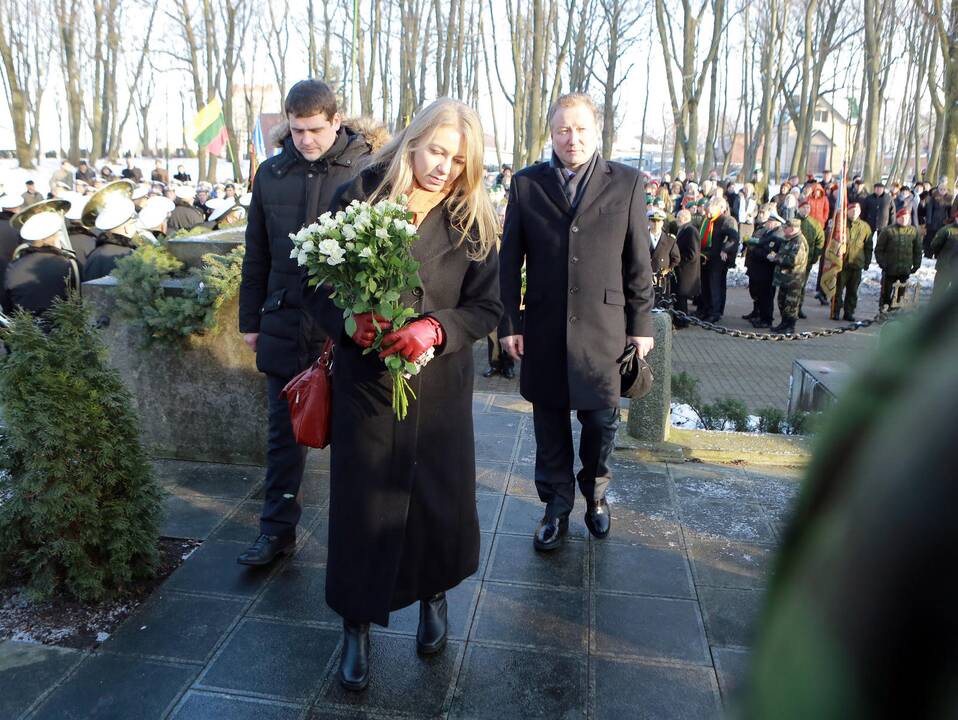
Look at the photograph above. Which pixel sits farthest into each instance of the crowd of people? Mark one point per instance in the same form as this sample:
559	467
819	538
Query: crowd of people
90	218
704	227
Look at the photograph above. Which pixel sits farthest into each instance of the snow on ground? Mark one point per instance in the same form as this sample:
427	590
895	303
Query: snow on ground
684	417
13	177
871	278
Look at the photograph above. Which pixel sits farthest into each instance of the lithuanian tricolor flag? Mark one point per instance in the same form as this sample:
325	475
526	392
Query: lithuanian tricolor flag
208	128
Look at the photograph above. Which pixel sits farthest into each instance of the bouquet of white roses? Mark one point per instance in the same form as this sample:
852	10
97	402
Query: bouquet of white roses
363	252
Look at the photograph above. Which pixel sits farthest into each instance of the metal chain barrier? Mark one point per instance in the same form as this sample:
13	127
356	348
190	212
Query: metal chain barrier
879	319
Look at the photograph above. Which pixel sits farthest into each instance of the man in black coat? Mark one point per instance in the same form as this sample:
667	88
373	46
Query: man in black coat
291	190
878	209
85	173
719	249
761	271
579	224
132	172
689	272
937	214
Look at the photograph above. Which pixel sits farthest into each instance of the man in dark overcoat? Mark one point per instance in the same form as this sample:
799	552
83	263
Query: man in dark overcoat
579	223
688	274
291	189
665	256
720	243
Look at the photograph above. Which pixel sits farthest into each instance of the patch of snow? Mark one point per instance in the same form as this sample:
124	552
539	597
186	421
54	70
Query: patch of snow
871	278
684	417
24	637
102	637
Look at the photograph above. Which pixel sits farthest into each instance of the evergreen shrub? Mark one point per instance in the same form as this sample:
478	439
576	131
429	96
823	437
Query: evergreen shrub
79	507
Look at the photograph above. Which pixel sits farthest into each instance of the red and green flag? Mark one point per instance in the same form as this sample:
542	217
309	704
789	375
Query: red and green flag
208	128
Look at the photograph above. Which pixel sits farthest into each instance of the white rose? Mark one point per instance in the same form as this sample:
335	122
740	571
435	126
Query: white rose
294	253
330	247
335	259
309	246
382	232
366	253
301	260
349	232
350	246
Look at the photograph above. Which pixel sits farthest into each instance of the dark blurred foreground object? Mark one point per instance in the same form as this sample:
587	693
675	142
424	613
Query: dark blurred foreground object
858	622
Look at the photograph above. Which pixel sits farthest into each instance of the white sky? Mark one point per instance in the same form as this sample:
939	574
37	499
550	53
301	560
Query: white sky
166	115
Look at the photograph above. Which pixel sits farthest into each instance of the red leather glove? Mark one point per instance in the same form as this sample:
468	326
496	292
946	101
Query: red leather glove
366	332
412	340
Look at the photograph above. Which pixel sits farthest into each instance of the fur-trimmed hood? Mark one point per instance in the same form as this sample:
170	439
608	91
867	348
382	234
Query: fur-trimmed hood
374	132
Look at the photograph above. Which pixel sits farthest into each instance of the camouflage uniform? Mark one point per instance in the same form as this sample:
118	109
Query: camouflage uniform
858	256
791	262
815	237
856	625
898	253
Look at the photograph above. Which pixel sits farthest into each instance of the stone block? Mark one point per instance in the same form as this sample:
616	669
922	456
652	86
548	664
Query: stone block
199	400
649	416
190	250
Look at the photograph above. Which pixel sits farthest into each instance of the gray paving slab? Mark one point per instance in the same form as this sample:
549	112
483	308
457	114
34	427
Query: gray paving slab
177	626
511	683
108	686
28	671
646	691
274	660
652	622
194	516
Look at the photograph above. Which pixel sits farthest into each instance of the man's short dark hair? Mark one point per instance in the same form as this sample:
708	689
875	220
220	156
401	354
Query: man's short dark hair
310	97
30	182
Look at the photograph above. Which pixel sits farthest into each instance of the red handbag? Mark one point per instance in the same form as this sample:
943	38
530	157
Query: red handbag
310	399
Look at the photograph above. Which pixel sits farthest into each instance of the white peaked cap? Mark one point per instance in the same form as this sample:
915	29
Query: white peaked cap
185	192
141	191
224	207
77	204
156	210
8	202
41	226
116	212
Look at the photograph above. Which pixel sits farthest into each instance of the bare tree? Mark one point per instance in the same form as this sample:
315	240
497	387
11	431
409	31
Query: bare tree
620	21
275	31
540	36
769	39
879	29
692	70
585	42
24	37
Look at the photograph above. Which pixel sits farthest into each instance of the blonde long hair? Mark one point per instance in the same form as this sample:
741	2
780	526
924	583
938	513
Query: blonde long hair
469	205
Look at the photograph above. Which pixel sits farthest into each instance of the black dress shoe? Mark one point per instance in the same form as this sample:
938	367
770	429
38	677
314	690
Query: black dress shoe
713	318
761	324
550	532
598	519
491	372
354	662
784	328
432	633
849	318
751	316
802	315
267	548
509	373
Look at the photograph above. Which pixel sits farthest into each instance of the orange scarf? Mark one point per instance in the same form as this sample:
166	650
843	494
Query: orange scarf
422	201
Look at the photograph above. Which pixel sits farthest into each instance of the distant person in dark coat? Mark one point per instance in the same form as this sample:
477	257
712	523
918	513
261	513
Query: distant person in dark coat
85	173
665	256
878	209
132	172
185	215
579	224
688	273
160	174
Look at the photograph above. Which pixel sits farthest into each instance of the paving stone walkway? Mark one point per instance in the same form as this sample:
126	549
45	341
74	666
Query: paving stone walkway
653	622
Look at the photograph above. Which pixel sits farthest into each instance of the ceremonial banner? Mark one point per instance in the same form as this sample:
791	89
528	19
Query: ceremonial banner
259	143
837	238
208	128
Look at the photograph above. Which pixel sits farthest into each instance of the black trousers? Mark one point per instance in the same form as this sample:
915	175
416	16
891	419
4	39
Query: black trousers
713	287
555	481
497	358
285	462
764	295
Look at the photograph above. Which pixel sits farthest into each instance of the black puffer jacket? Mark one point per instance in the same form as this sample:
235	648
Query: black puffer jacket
288	189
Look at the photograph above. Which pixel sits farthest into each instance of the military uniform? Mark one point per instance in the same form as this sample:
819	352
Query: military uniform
858	257
944	247
83	242
109	248
791	262
761	271
665	258
898	253
36	277
814	235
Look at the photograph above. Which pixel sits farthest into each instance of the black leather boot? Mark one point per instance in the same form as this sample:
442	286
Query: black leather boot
433	625
354	662
267	548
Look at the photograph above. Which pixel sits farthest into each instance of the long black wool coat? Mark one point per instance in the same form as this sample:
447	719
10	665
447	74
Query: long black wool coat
402	513
589	282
